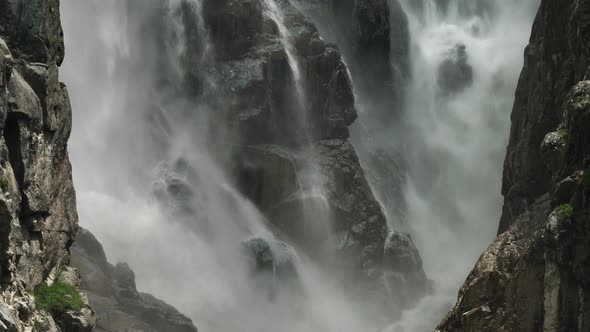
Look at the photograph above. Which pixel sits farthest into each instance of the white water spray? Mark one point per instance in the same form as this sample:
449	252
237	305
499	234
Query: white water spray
454	146
455	142
151	191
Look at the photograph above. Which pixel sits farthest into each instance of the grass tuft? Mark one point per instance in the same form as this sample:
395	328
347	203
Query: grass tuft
3	183
565	212
58	298
40	326
563	133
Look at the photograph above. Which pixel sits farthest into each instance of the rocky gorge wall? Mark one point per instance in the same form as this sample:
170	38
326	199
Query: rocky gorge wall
534	276
38	221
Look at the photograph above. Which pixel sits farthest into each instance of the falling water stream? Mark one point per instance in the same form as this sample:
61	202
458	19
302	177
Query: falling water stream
136	136
455	141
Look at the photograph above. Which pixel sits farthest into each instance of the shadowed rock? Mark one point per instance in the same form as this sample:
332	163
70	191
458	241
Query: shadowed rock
535	275
113	295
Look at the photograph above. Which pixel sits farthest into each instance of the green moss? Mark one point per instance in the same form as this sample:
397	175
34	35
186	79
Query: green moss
563	133
58	298
564	212
39	326
586	179
3	183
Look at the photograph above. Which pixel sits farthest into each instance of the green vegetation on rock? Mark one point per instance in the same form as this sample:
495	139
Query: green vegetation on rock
58	298
3	183
39	326
564	212
563	133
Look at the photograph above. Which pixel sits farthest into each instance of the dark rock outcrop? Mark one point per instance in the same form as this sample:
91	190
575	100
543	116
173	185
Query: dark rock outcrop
555	60
375	40
404	275
535	275
38	218
268	103
113	295
455	73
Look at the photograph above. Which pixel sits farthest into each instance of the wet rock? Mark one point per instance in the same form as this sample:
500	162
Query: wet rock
554	63
358	218
266	104
404	273
233	24
273	266
267	175
401	253
277	259
455	73
565	190
577	120
386	172
553	150
33	30
374	35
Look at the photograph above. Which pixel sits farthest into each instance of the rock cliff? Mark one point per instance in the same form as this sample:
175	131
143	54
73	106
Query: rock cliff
535	275
294	102
38	219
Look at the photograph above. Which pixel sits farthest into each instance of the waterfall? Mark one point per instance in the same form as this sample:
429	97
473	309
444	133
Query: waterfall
151	184
466	58
149	156
276	14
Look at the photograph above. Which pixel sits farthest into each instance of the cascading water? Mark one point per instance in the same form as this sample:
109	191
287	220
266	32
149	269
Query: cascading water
156	193
151	183
449	135
466	56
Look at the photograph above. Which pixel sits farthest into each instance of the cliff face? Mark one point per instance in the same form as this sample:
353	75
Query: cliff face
535	276
38	218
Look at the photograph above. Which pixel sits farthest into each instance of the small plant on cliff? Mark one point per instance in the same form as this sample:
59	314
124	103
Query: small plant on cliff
58	298
563	133
40	326
564	212
3	183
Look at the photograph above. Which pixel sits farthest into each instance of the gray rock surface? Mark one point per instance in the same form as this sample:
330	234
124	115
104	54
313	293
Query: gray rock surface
555	60
375	40
38	218
301	170
112	293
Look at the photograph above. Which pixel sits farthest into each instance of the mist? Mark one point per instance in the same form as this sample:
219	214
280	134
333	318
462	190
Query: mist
152	160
